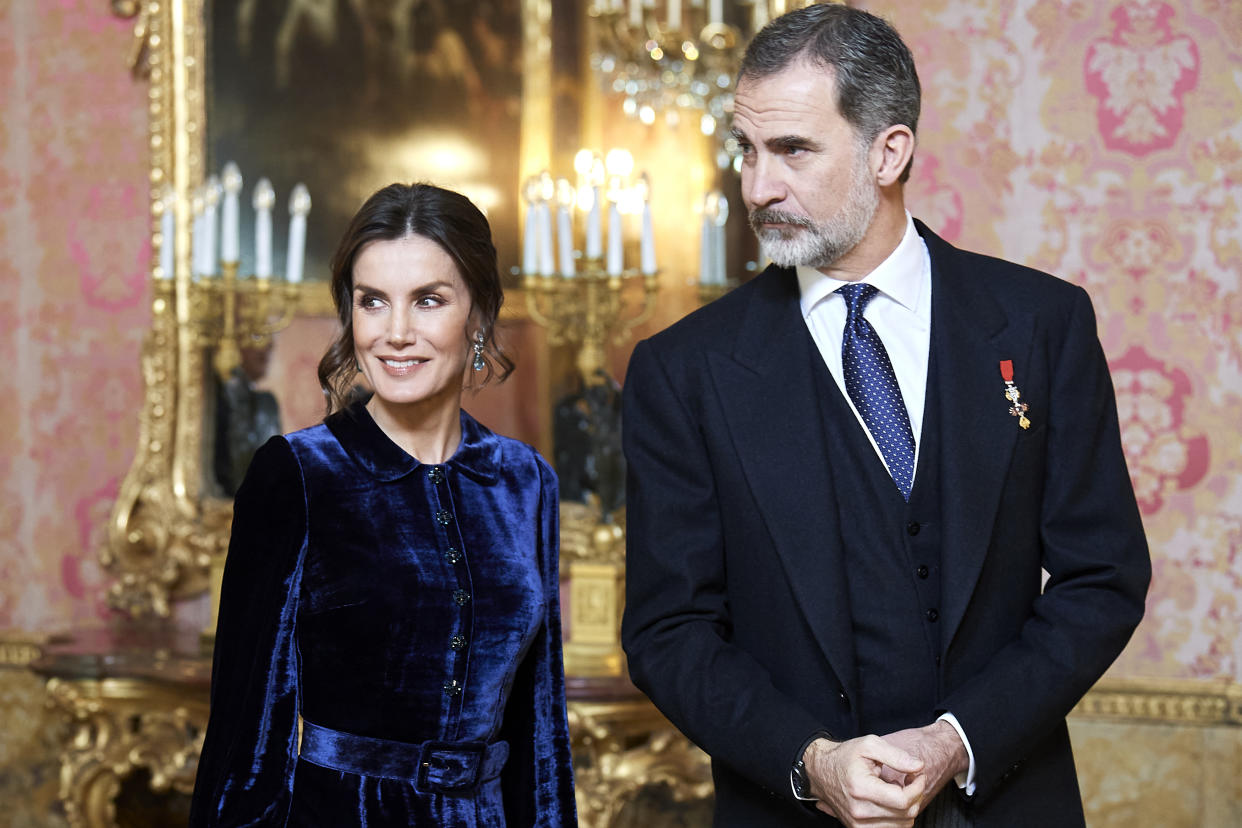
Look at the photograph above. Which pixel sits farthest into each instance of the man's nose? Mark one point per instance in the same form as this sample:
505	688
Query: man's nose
762	183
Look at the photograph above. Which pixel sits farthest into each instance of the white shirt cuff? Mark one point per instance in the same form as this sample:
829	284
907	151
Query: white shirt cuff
965	781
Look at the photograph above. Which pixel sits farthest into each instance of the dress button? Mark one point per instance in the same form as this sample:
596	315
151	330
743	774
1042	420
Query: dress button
458	642
461	597
444	517
921	571
452	687
932	615
435	474
452	555
913	527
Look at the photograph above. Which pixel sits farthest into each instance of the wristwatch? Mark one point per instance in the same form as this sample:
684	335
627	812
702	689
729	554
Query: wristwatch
797	774
801	782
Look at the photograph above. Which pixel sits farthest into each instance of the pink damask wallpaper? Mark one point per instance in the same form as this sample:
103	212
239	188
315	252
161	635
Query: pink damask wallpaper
1101	141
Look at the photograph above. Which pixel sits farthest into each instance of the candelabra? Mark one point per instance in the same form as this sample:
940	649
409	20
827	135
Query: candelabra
230	311
583	300
673	57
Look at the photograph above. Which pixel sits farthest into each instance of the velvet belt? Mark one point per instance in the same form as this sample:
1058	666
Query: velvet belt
433	767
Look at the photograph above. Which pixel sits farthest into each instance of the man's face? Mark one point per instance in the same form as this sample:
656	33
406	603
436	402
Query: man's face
806	175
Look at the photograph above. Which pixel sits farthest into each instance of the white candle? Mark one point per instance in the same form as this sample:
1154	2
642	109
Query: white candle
299	206
636	12
706	249
211	202
564	226
564	240
674	14
721	219
594	242
230	245
196	234
715	11
646	241
530	242
759	15
263	200
168	229
547	265
616	257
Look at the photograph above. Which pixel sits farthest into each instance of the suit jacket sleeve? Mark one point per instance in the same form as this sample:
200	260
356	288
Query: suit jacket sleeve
1094	551
676	629
538	781
245	772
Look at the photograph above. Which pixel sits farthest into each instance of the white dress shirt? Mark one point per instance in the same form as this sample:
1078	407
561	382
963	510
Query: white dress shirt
901	316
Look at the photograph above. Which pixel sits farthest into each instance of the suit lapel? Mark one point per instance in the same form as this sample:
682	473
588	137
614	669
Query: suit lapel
770	404
971	334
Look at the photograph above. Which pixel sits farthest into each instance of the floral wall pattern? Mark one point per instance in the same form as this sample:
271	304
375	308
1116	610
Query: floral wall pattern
1102	142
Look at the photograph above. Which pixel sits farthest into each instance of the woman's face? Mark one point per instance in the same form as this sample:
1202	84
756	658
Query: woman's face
411	311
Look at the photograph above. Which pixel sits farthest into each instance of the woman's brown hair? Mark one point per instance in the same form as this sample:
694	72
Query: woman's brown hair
446	218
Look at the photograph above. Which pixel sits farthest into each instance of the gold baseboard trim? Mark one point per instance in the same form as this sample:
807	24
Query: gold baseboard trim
1194	702
19	648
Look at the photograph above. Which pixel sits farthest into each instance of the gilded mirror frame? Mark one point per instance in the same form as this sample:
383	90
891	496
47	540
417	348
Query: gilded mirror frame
164	533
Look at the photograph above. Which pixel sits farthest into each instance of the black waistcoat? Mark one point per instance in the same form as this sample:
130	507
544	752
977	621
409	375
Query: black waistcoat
892	562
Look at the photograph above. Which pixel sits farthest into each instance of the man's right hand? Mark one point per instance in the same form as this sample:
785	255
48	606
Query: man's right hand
846	779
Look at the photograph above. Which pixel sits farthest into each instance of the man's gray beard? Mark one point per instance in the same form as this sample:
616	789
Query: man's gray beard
809	244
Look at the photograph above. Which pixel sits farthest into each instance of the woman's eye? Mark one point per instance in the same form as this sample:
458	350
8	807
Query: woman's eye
430	301
369	302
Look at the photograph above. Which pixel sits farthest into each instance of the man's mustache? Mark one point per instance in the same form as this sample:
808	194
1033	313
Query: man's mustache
765	215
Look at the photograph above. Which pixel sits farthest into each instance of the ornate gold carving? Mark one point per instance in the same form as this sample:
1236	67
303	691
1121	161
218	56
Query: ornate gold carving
593	562
620	748
118	726
1164	701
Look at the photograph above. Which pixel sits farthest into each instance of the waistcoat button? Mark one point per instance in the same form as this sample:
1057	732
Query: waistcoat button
913	527
932	615
921	571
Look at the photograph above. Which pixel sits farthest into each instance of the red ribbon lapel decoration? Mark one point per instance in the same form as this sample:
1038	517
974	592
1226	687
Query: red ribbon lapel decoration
1017	408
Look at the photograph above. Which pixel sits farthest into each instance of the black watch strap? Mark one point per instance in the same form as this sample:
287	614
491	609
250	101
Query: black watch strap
798	776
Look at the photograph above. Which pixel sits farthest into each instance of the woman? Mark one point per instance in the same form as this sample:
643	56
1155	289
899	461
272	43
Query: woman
392	574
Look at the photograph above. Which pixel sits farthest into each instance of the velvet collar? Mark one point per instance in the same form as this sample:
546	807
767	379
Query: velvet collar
477	455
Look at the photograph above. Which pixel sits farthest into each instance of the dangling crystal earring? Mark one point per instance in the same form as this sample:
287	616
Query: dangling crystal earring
478	352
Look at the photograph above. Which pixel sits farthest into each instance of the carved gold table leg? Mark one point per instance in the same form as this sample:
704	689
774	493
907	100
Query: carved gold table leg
622	747
119	726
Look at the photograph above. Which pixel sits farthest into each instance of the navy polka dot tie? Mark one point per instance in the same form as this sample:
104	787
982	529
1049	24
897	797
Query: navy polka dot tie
872	385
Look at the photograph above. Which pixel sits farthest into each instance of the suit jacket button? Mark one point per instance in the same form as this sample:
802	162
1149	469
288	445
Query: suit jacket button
845	700
922	571
913	527
933	614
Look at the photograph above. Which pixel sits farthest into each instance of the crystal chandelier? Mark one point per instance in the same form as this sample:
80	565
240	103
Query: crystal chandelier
673	59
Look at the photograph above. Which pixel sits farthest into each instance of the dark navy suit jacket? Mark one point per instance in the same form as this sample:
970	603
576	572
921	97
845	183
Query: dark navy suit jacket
737	623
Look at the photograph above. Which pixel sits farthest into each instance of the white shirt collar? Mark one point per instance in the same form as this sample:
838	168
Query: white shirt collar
899	276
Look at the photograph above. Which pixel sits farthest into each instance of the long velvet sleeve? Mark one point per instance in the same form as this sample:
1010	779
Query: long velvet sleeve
538	778
245	773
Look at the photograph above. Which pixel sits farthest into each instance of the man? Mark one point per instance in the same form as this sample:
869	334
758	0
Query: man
846	476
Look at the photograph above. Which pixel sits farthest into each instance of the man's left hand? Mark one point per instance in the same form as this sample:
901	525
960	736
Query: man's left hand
941	749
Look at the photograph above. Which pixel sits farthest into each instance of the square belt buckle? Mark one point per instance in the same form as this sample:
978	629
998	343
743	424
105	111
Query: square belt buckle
450	767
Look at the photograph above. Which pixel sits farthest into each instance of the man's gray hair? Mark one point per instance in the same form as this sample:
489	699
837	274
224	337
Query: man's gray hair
877	85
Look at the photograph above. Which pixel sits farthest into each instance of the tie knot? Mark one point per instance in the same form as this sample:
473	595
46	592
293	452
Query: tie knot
857	295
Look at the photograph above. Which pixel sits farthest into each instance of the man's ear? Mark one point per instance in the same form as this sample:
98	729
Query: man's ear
891	152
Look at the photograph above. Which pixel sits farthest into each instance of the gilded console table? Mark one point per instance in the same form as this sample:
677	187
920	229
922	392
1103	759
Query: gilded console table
136	695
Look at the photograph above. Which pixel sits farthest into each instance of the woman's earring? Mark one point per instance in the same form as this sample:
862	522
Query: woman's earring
478	352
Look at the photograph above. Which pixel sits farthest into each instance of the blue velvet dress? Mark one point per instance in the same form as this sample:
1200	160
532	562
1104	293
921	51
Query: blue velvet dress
380	598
